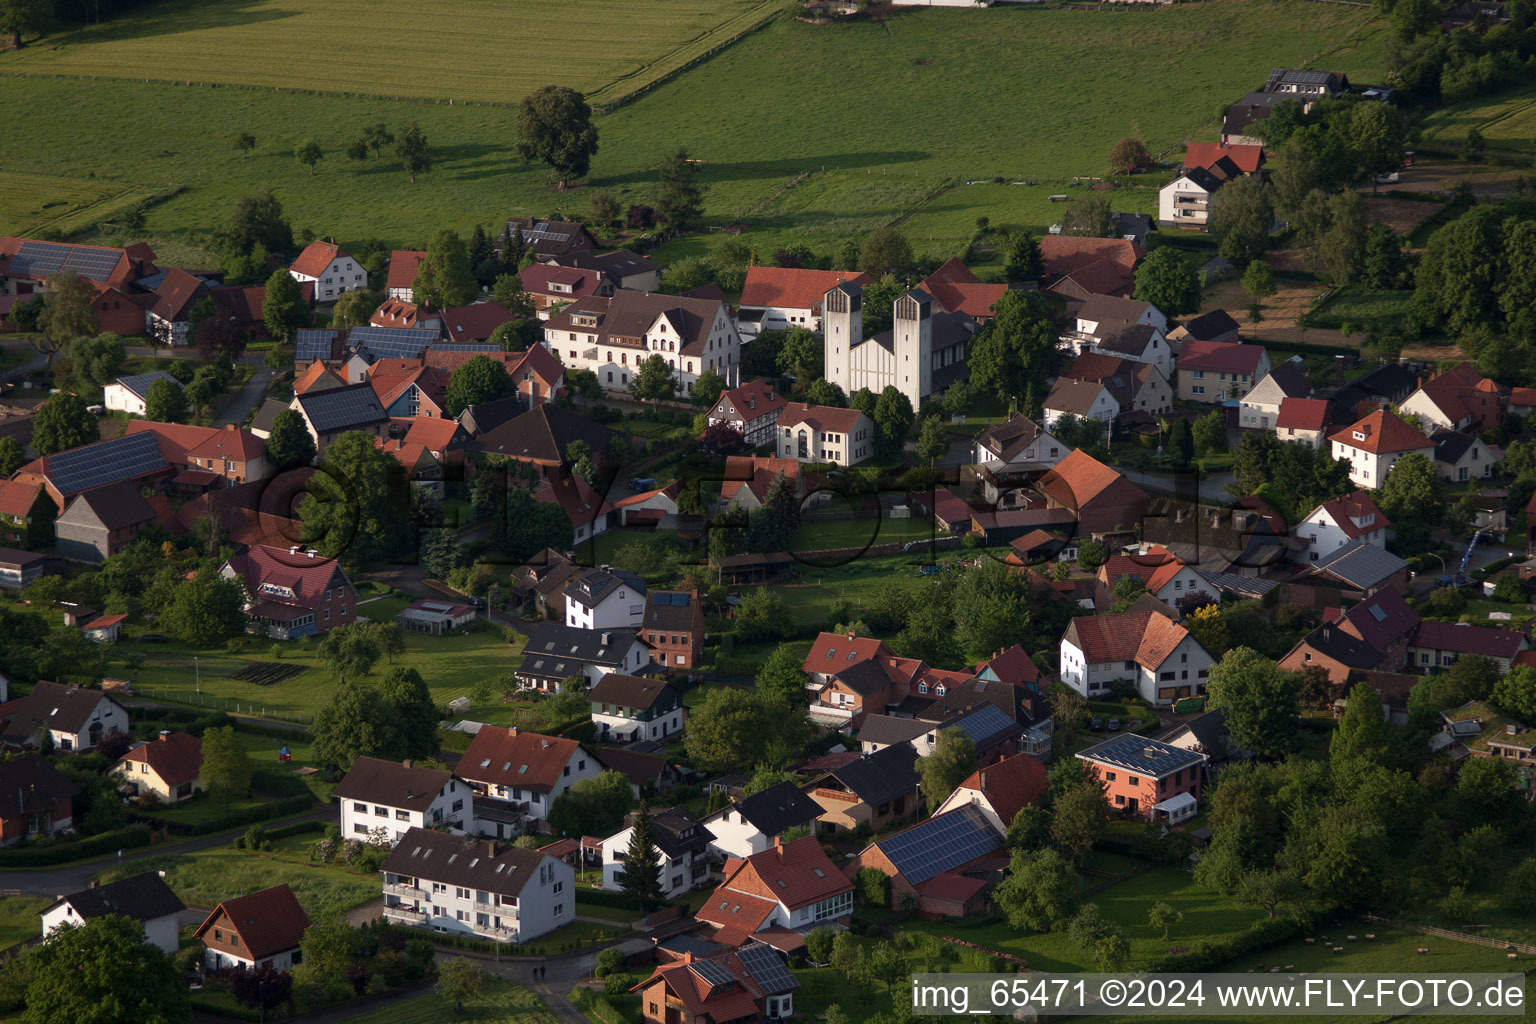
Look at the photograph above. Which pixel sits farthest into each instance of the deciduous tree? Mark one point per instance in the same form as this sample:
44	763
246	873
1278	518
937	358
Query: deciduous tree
885	251
309	154
103	972
68	312
63	422
359	505
444	277
1242	213
950	763
554	126
479	379
414	153
1036	894
1128	156
283	307
205	609
226	769
290	444
166	402
1168	280
1260	701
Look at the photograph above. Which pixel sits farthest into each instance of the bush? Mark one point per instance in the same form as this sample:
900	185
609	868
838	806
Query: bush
609	961
255	838
618	983
64	851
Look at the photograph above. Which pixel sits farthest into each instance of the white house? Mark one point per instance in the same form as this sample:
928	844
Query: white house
605	598
1260	407
753	408
1085	399
1018	440
1460	457
1373	445
628	708
473	887
750	825
130	394
555	653
778	298
1156	655
169	766
824	434
75	719
383	800
524	769
681	844
1185	201
145	898
789	885
613	335
1166	576
260	929
329	269
1335	523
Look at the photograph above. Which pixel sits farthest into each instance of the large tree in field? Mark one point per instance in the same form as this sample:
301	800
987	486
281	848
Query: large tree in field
226	769
354	723
67	313
63	422
1260	700
18	16
554	126
103	972
1036	894
444	277
885	251
290	444
259	220
480	379
205	610
413	152
682	197
283	307
358	506
1128	156
1168	280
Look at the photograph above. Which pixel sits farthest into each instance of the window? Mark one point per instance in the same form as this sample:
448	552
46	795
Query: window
559	909
559	888
402	815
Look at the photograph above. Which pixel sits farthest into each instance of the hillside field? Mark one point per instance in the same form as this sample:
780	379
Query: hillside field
890	120
1507	121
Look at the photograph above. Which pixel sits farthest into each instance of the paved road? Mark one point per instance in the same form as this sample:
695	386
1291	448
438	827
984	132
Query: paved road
245	400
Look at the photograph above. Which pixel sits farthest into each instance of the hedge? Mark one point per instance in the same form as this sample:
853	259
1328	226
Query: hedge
1207	955
228	1012
278	783
238	819
297	828
79	849
596	1006
604	898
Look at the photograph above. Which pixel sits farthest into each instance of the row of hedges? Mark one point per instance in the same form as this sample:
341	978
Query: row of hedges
604	898
228	1010
61	851
597	1007
239	819
297	828
1209	954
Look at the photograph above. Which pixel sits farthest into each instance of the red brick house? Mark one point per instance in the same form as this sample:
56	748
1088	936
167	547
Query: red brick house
204	456
789	887
1373	635
943	863
750	983
292	593
26	264
673	628
1147	778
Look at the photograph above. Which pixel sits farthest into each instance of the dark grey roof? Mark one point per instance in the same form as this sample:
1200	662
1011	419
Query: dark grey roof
639	692
140	383
1451	445
116	507
1208	326
1332	642
558	651
1232	583
267	413
942	843
1291	378
675	832
949	329
142	897
882	776
487	416
31	785
1309	77
337	409
778	809
1141	755
1361	564
670	609
1010	437
1390	383
391	784
888	729
62	708
590	588
543	433
864	677
472	863
1129	341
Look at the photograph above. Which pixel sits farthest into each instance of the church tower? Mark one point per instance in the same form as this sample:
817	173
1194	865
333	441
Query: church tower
912	344
842	327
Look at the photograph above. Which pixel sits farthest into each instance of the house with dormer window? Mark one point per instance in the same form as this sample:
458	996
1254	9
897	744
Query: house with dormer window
330	269
1335	523
555	653
793	886
1374	444
628	708
396	797
605	598
294	593
753	408
748	984
681	844
524	769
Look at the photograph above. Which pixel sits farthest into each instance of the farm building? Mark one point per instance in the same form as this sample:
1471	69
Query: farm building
435	617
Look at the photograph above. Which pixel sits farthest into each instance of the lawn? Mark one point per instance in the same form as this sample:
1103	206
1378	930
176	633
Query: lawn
501	1001
1365	309
208	876
19	920
929	84
1507	121
35	203
827	534
451	666
1206	915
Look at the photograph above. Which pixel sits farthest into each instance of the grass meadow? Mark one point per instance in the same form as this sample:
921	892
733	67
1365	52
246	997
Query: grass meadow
1507	121
35	203
807	133
501	1001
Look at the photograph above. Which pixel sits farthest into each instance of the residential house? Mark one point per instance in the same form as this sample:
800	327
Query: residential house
1260	407
144	898
1080	399
1337	652
872	790
1437	645
23	568
101	522
476	322
1238	120
649	775
921	354
620	269
1001	790
1166	576
778	298
753	824
292	593
957	290
1372	635
335	411
475	888
553	287
401	281
27	513
791	887
1303	420
1139	391
825	434
655	507
524	768
36	800
317	377
1335	523
1147	778
1374	444
750	983
1122	328
167	317
587	511
74	719
674	628
994	732
747	479
681	844
753	409
329	269
383	800
1461	457
1078	268
605	598
1352	572
129	394
613	335
26	264
131	458
262	929
169	766
406	389
1018	440
626	708
1149	651
943	863
1185	201
540	437
1307	85
1215	371
1102	499
550	239
483	417
207	456
1458	399
555	653
1204	734
1478	730
1217	325
1383	386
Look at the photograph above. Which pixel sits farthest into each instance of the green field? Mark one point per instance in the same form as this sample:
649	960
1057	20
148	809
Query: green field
890	120
1365	309
19	920
1507	121
501	1001
33	204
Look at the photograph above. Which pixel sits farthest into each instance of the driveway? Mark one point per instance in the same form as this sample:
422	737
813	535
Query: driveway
244	402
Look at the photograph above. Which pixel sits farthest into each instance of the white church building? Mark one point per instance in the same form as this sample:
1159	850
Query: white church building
922	353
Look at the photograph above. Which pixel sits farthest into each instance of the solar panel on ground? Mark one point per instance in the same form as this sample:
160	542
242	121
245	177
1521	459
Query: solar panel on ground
941	843
767	967
712	973
105	462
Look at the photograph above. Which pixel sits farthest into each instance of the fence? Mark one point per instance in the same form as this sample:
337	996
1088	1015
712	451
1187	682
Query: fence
232	707
1446	933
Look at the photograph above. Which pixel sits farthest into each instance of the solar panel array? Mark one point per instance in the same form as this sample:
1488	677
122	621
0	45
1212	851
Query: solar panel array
542	231
139	383
392	342
671	598
1139	754
41	259
984	723
105	462
311	344
941	843
767	967
338	408
466	346
713	974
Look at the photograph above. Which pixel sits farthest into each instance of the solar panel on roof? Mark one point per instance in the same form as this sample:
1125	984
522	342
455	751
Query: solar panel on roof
139	383
767	967
712	972
311	344
941	843
392	342
986	721
42	259
464	346
105	462
338	408
1138	754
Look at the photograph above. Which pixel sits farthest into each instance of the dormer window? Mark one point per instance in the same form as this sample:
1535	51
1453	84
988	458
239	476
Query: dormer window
1359	435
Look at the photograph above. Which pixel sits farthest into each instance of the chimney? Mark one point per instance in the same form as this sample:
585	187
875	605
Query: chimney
1511	729
230	426
165	734
406	763
293	549
311	552
607	638
514	730
851	634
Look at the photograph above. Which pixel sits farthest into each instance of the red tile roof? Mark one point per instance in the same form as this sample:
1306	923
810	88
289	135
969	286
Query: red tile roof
399	313
176	758
230	443
736	911
1063	254
958	290
1302	414
402	267
579	500
951	887
1384	432
432	432
1204	154
518	758
105	622
315	258
1465	638
794	288
1010	785
830	653
538	278
268	922
174	298
1146	638
755	398
1382	619
1083	476
307	578
179	441
1344	511
1220	357
475	322
822	417
17	497
315	374
1013	665
795	874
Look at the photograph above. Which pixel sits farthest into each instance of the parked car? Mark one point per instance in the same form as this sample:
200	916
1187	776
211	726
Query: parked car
1096	724
1113	725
